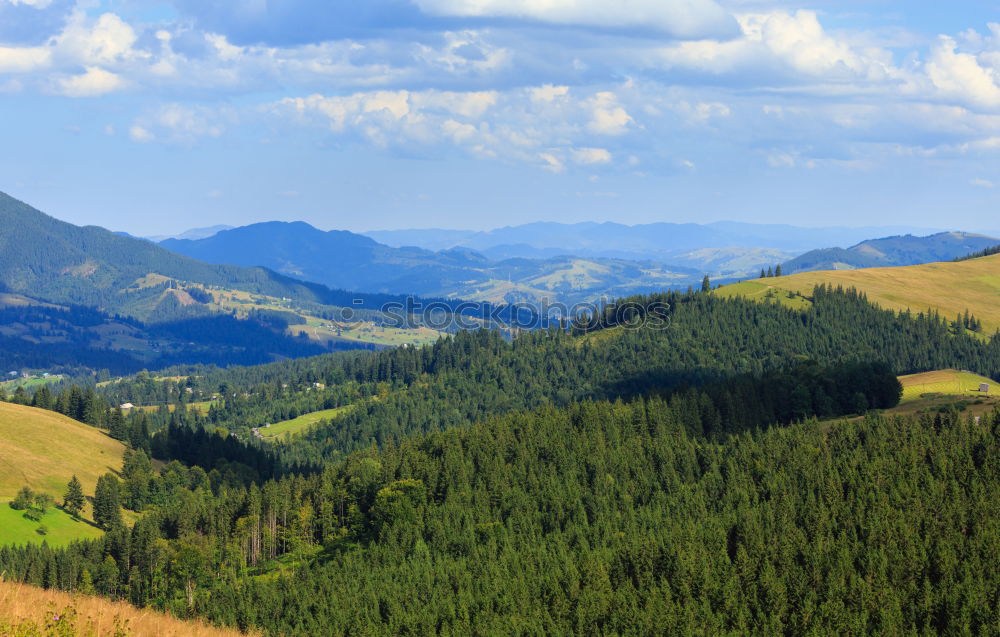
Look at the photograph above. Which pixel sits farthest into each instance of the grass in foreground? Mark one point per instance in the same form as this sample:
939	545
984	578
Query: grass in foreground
28	611
61	527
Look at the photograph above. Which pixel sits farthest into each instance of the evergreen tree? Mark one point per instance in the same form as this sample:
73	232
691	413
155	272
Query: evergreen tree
107	502
42	398
777	270
706	285
73	500
117	427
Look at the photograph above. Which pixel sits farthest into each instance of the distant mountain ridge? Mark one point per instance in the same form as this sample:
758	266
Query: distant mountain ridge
892	251
193	233
343	259
660	241
52	260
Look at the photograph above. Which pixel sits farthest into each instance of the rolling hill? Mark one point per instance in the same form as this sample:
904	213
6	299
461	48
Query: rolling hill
43	450
890	251
347	260
48	259
949	288
642	241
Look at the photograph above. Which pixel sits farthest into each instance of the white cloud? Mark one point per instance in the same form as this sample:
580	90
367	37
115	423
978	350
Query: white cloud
960	76
607	116
140	134
982	183
178	124
551	163
590	155
108	39
37	4
680	18
92	83
512	125
548	93
24	59
783	46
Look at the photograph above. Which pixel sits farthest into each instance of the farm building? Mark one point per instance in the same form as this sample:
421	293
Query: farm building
126	406
983	387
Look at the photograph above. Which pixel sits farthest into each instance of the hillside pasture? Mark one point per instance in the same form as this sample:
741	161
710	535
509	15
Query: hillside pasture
950	288
947	382
288	428
42	449
61	527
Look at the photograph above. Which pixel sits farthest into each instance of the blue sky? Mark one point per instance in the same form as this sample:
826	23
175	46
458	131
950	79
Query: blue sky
156	116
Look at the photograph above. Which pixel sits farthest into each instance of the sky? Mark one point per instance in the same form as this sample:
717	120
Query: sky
155	116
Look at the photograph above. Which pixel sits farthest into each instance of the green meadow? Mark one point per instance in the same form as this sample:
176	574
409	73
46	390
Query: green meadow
287	428
61	527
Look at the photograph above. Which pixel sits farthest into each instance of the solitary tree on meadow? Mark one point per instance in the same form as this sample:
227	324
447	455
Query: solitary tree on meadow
73	499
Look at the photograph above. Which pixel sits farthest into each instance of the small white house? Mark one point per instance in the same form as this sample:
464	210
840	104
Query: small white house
126	406
983	387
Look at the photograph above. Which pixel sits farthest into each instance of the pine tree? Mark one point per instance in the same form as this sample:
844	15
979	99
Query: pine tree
73	499
117	427
770	272
777	270
706	285
42	398
763	274
107	502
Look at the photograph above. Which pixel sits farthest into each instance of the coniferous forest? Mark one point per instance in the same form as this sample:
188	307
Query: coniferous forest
726	472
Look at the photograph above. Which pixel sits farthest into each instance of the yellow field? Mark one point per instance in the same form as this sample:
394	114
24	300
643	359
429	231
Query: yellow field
26	610
949	382
43	450
949	287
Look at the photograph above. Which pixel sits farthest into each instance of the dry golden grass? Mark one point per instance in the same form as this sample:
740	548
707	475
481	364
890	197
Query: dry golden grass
26	610
949	287
43	450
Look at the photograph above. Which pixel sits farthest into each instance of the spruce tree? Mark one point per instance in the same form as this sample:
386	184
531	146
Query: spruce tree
777	270
706	285
73	499
107	502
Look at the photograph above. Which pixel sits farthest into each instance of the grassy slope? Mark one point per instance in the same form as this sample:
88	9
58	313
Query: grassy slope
949	287
290	427
931	392
43	450
62	528
26	610
946	381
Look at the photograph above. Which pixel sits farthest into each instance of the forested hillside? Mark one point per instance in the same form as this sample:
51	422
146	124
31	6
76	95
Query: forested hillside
689	468
892	251
52	260
598	518
470	376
